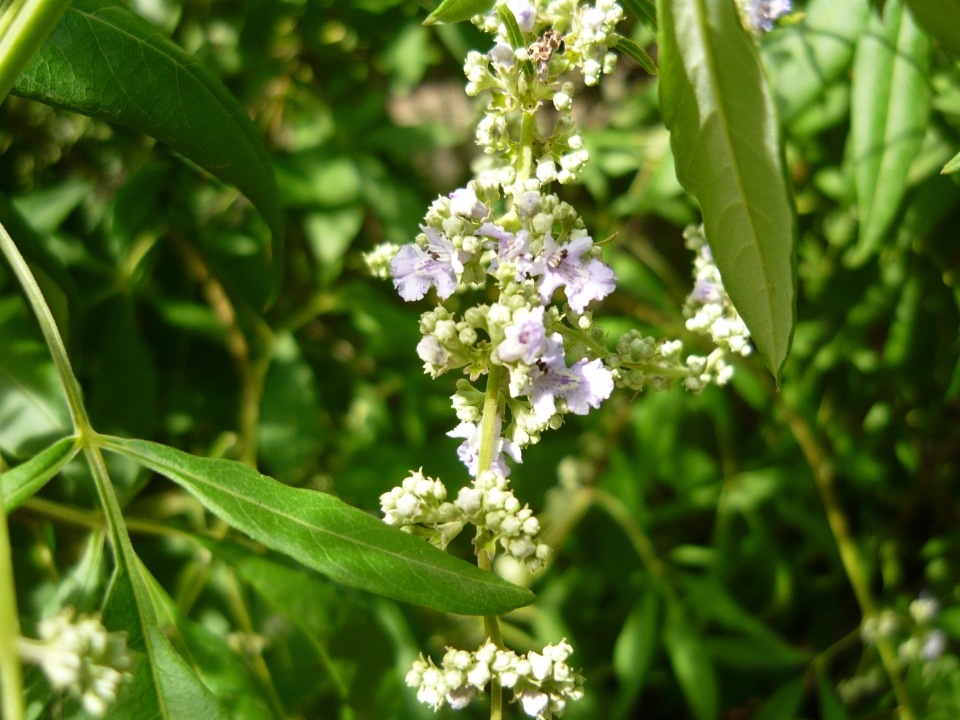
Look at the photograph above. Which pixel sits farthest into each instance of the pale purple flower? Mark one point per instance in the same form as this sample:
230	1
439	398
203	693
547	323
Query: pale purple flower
469	450
509	247
465	203
415	269
706	292
584	385
502	56
764	13
525	14
562	266
526	338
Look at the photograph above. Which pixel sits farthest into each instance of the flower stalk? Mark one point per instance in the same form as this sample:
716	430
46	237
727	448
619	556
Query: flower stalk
11	674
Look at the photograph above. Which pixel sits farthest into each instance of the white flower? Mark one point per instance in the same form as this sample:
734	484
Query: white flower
534	702
464	202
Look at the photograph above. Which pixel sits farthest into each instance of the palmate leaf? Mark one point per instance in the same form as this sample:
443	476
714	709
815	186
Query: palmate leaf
940	18
26	479
323	533
725	137
104	61
890	109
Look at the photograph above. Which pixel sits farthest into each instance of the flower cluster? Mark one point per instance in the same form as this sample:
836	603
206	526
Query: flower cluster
77	654
762	14
708	308
543	683
419	506
925	643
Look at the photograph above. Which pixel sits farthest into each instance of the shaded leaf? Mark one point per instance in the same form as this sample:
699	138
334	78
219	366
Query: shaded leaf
690	662
629	48
642	10
941	19
890	109
633	651
454	11
784	703
328	535
725	137
105	61
290	431
26	479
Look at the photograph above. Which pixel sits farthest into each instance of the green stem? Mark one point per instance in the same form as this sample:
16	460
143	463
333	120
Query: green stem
11	674
51	334
528	126
853	565
26	26
488	437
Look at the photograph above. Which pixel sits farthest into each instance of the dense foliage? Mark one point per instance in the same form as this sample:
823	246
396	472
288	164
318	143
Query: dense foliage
749	551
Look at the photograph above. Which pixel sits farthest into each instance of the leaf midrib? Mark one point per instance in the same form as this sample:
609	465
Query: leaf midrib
721	114
118	445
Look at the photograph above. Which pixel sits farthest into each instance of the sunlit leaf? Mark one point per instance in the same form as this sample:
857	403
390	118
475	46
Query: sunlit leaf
26	479
454	11
889	113
724	133
328	535
629	48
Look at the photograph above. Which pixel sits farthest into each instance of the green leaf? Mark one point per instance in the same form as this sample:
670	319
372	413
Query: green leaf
952	166
633	651
33	409
642	10
890	109
725	137
26	479
941	19
291	432
805	59
454	11
690	662
302	598
105	61
164	686
509	21
219	667
830	707
631	49
329	536
784	703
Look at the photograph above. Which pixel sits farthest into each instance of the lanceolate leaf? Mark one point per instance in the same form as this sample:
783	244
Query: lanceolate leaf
642	10
690	663
890	109
105	61
164	686
631	49
633	651
725	137
454	11
328	535
26	479
940	18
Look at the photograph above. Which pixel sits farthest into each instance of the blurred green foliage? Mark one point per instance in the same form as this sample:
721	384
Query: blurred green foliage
696	573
